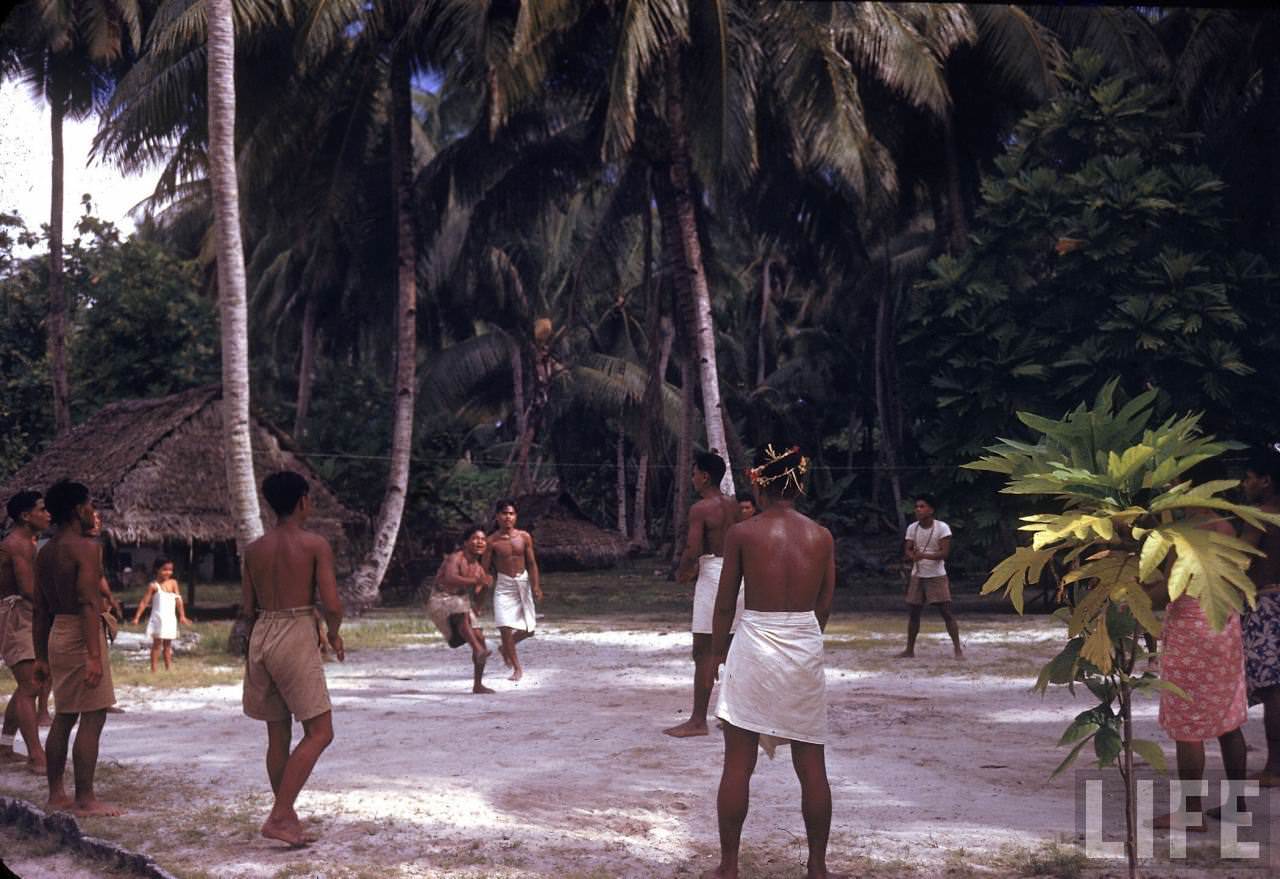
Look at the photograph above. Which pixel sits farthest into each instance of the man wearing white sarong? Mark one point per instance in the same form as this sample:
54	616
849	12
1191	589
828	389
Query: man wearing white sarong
774	687
517	583
709	519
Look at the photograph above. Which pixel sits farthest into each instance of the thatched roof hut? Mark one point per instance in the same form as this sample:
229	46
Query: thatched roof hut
157	472
565	538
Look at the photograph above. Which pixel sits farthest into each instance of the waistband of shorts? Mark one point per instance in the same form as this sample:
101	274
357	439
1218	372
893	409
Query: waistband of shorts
767	618
523	575
287	614
709	555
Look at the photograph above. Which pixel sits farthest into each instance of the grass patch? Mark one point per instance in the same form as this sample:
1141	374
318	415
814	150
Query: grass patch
385	629
1049	859
208	665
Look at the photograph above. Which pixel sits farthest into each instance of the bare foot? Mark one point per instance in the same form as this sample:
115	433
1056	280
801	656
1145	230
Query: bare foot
516	675
481	689
59	803
1266	778
1164	822
959	654
719	873
95	808
906	654
688	729
287	830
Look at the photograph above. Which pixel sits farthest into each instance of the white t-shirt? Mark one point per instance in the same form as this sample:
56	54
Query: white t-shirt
928	540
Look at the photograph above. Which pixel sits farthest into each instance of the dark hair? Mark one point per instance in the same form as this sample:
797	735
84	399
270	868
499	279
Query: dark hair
160	563
1264	462
503	503
744	496
22	502
63	497
472	529
1208	470
927	498
770	476
283	490
711	464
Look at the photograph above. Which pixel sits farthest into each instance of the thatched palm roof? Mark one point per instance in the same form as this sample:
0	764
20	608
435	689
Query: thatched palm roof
565	537
156	469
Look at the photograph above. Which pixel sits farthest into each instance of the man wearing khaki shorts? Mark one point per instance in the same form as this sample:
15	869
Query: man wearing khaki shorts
71	646
285	572
17	640
927	546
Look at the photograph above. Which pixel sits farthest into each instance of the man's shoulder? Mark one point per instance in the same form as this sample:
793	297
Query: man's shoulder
943	528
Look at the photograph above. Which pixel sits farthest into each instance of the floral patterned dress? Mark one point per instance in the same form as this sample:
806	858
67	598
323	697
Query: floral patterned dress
1209	667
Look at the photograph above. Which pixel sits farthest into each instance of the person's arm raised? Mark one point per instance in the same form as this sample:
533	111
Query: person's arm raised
330	602
531	565
827	591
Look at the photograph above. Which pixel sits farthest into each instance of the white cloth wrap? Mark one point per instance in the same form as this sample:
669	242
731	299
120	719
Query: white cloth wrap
704	595
513	602
163	623
774	682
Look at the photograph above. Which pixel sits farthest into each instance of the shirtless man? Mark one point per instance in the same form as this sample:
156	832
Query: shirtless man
459	582
1261	626
17	644
71	646
285	571
746	505
517	585
774	688
702	559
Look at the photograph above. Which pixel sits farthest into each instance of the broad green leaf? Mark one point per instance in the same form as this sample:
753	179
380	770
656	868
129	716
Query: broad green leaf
1154	550
1155	683
1097	647
1107	745
1212	568
1151	752
1139	603
1071	757
1016	572
1086	722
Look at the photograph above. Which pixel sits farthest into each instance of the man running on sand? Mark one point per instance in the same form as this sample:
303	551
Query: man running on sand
1261	626
71	647
450	605
285	571
517	585
774	687
17	643
709	519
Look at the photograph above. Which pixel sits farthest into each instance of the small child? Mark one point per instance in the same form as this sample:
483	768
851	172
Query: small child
166	611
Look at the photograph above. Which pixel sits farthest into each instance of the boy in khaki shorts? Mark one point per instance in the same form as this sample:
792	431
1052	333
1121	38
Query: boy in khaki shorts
285	572
927	546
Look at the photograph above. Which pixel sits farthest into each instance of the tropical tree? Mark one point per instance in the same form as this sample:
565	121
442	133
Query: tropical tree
232	306
68	52
1114	527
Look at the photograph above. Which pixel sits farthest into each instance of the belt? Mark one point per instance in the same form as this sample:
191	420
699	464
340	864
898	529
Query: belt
286	613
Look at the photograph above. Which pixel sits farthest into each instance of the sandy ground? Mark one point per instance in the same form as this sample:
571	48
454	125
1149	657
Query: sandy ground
938	768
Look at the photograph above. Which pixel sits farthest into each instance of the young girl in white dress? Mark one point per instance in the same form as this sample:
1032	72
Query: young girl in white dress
166	611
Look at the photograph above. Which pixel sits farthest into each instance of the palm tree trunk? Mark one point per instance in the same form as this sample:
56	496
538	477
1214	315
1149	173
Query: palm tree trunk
653	408
884	413
231	280
680	234
306	368
620	468
362	590
517	397
57	342
957	219
684	461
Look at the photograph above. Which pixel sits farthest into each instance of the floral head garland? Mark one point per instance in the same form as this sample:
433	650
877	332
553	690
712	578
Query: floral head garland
792	474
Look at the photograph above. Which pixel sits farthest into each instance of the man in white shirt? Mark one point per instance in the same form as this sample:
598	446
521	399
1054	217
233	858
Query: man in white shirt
927	546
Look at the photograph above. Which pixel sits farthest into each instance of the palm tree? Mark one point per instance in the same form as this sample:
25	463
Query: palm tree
231	278
66	51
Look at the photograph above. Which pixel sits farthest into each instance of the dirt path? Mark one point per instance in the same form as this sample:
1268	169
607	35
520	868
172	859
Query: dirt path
936	766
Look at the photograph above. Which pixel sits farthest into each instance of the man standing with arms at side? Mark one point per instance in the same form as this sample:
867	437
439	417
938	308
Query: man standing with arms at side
927	547
774	687
709	519
285	571
17	642
1261	626
71	646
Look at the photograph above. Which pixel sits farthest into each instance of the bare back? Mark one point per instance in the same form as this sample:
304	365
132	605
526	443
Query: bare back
67	572
287	566
17	561
712	517
786	560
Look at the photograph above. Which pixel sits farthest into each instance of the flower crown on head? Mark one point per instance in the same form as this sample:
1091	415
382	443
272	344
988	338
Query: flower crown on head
792	474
